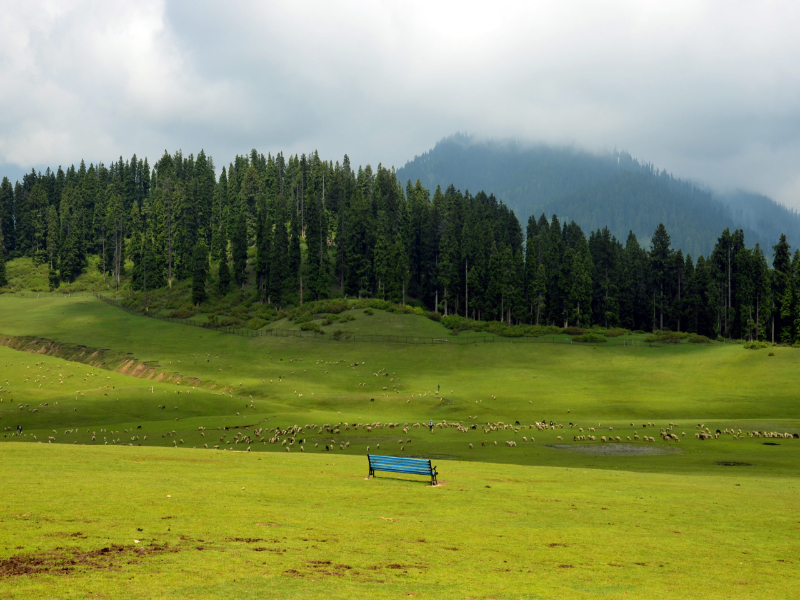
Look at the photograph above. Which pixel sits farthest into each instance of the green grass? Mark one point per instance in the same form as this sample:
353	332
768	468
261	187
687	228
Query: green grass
538	495
249	526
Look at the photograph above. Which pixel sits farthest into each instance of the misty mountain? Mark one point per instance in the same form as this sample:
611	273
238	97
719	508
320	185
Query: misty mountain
599	190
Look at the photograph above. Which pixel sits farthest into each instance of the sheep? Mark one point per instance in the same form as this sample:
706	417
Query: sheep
470	445
603	438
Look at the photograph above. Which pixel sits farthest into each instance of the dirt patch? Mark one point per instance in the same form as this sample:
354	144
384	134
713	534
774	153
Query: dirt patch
64	562
616	449
732	463
102	358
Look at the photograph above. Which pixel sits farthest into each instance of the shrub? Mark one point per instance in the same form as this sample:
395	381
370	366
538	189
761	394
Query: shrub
339	334
257	323
456	323
616	332
720	338
638	331
182	313
240	312
757	345
771	354
304	318
698	339
664	337
574	330
589	338
369	311
228	322
346	318
310	326
433	316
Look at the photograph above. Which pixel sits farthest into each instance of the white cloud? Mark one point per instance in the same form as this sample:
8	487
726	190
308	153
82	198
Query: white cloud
707	89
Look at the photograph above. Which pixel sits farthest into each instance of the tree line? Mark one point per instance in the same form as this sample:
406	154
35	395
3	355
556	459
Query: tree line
299	228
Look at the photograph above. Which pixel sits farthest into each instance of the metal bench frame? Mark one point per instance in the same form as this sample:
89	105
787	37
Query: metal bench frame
398	464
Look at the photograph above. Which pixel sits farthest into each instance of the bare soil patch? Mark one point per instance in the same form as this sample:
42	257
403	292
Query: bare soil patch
64	562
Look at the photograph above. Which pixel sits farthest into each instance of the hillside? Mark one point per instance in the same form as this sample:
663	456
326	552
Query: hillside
579	186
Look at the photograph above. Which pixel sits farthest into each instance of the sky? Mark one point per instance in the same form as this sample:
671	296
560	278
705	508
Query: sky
708	90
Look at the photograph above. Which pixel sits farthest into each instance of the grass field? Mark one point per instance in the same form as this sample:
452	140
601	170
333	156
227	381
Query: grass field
725	496
225	524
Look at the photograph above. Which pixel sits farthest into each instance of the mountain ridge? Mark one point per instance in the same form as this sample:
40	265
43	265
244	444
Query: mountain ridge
597	190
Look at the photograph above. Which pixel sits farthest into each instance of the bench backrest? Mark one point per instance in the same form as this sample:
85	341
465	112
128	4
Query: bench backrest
396	464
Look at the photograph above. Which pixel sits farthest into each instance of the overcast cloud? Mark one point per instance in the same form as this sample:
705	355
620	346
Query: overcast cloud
707	90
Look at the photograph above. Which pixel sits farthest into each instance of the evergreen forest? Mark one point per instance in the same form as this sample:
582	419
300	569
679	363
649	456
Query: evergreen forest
287	230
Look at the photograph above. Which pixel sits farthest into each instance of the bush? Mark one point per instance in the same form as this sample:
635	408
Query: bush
346	318
698	339
257	323
182	313
228	322
339	334
616	332
664	337
638	331
771	354
310	326
574	330
757	346
369	311
434	316
588	338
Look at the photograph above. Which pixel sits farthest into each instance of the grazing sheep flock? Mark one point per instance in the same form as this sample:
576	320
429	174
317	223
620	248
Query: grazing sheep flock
329	437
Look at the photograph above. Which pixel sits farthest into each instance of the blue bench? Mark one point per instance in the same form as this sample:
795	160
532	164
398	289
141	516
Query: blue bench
396	464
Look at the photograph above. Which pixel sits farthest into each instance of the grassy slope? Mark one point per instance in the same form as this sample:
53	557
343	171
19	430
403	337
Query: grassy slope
719	386
317	528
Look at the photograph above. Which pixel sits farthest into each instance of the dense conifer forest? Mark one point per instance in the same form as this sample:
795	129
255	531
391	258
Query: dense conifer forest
288	230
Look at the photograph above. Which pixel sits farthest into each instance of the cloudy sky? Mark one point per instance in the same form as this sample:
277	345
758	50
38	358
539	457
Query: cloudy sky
708	90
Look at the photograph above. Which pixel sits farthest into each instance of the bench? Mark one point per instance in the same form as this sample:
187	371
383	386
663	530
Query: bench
396	464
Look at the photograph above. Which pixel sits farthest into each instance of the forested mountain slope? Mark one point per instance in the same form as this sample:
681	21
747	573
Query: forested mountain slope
581	186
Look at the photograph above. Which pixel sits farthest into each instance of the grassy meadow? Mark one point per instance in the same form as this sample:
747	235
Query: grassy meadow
682	517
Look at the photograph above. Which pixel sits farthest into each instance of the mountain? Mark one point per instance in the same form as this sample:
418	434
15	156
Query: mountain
599	190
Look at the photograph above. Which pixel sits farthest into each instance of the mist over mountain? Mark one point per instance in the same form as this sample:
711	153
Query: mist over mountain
599	190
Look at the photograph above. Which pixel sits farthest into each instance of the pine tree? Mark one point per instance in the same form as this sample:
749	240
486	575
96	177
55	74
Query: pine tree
295	259
224	276
538	291
239	249
3	278
53	237
7	215
37	207
199	271
263	248
782	290
580	291
660	261
279	256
